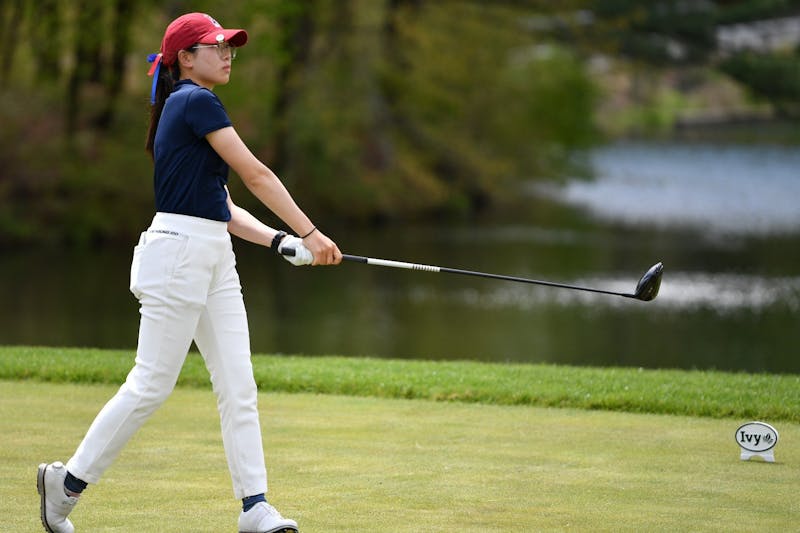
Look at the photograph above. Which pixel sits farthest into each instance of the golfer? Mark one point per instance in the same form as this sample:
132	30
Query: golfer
183	273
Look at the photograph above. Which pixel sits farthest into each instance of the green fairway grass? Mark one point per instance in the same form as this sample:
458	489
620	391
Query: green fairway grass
340	464
358	444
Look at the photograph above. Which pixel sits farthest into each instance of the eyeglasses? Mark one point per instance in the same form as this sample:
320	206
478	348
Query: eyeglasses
222	49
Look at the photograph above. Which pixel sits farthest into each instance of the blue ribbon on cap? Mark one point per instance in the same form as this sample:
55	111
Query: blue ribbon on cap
154	71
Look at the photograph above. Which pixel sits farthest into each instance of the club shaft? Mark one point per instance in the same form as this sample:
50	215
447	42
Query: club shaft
432	268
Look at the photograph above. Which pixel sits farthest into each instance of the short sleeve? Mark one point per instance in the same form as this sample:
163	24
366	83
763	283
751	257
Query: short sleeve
205	113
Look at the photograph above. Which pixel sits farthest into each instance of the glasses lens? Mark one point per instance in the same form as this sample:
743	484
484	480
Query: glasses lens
225	48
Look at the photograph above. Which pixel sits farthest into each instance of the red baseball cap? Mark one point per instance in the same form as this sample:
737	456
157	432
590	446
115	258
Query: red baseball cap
196	28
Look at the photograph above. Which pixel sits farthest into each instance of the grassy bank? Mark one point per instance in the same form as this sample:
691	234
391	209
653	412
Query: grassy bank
692	393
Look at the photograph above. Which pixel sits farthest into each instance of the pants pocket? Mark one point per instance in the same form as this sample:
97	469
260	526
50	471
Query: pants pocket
154	262
136	263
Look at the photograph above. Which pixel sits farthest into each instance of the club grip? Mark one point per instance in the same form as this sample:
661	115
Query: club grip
290	252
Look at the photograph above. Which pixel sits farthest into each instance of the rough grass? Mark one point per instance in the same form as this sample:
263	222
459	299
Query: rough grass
690	393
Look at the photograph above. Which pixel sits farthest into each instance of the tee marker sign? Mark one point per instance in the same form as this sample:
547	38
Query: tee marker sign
757	439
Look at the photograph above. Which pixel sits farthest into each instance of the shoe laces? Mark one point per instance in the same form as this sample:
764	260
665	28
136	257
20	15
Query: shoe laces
269	509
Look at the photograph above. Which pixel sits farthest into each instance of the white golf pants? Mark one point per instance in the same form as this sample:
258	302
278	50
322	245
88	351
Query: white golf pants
184	275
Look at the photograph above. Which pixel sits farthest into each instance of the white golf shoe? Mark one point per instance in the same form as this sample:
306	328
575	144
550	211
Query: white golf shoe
55	504
264	518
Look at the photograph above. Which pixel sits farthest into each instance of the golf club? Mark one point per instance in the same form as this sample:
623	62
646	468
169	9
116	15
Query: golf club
646	289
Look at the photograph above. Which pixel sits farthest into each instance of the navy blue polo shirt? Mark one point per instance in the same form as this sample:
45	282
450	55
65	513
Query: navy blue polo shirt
190	177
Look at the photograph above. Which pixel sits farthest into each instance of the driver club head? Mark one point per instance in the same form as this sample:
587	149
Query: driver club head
647	288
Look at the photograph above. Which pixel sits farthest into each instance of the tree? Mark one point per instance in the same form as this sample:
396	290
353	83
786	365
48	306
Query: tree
99	62
10	15
774	77
373	110
295	21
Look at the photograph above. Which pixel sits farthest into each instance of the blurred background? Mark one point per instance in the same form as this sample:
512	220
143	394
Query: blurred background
579	142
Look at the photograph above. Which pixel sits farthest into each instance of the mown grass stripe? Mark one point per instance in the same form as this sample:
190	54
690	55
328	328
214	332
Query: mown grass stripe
693	393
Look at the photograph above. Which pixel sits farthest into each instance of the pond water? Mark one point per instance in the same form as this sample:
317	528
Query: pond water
724	189
723	219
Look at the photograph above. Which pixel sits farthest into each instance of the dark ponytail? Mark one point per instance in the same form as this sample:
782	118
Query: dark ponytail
164	87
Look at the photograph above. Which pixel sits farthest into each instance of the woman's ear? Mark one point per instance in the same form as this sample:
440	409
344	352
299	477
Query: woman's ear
185	59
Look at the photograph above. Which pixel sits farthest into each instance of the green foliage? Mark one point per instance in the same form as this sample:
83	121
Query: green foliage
670	38
732	12
659	33
365	109
654	117
484	115
775	78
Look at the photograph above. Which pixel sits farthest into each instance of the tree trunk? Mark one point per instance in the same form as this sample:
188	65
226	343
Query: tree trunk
296	37
115	69
87	59
11	19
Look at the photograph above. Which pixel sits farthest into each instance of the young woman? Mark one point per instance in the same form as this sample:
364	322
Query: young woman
184	275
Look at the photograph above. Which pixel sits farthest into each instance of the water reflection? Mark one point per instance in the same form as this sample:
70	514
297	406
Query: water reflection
722	293
731	189
728	293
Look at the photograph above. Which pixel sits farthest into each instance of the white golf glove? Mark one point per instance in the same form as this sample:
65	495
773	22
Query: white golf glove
302	255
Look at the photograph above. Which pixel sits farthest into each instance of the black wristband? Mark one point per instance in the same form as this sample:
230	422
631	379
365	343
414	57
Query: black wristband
276	240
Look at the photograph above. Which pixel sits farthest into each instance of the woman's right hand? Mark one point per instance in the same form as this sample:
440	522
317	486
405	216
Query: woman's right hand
323	248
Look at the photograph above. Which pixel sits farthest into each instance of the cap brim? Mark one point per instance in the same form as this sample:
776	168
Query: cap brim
235	37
